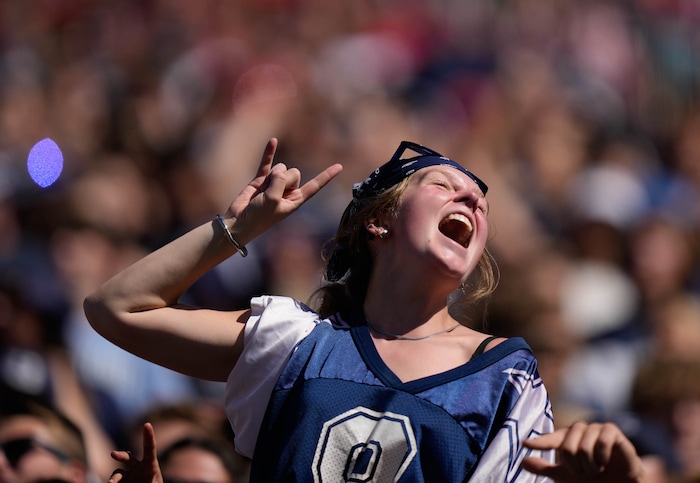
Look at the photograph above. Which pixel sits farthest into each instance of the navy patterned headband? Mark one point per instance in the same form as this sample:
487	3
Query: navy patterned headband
398	168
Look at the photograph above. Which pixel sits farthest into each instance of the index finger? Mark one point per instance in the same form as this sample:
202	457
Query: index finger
149	442
313	186
547	441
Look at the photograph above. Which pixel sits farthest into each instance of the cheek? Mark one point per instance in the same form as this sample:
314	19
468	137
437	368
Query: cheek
410	221
482	225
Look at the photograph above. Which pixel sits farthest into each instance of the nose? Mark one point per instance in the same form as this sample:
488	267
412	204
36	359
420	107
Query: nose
469	196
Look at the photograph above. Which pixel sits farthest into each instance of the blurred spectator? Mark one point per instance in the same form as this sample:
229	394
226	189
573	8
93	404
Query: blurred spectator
26	343
662	259
175	421
34	363
39	443
667	393
192	437
297	265
675	327
207	459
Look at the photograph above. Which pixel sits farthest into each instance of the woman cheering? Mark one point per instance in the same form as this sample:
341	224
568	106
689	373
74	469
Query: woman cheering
382	379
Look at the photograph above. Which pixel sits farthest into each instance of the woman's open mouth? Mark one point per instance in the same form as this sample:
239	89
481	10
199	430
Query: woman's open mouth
457	227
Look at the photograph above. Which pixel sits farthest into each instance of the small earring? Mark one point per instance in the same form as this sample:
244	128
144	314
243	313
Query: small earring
382	232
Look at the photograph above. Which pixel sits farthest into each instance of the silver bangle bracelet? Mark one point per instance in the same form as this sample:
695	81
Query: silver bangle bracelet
241	249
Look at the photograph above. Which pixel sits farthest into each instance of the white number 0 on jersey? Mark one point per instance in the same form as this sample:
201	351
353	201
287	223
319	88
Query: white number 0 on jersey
362	445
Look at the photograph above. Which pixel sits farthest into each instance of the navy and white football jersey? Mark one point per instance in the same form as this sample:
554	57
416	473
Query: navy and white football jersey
312	401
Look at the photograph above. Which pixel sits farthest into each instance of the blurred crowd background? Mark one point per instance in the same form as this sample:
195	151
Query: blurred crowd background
582	117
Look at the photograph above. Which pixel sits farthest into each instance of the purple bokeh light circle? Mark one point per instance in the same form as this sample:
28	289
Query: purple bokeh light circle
45	162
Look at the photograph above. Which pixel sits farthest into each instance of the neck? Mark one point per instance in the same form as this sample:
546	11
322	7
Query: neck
413	304
421	284
399	306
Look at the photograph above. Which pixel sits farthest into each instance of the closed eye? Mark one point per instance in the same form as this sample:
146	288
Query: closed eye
436	178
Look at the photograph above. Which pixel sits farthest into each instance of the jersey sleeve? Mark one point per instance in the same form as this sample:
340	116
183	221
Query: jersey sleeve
275	327
530	416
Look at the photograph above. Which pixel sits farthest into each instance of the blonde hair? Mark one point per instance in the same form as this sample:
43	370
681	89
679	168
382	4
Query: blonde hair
346	288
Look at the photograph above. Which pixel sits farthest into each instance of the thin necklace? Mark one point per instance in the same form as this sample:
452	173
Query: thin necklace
403	337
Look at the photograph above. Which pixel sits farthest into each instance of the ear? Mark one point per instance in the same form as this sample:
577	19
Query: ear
371	225
375	229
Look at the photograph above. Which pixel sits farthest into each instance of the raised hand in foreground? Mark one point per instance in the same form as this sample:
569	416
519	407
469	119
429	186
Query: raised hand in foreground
146	470
274	193
587	452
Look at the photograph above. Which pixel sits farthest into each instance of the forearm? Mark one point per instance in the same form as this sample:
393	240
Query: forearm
159	279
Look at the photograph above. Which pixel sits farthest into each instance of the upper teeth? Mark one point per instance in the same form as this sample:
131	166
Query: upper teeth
459	217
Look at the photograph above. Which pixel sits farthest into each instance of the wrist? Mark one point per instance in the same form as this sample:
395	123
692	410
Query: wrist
240	248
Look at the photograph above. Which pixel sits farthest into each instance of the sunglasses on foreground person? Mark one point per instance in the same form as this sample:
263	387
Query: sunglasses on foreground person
379	377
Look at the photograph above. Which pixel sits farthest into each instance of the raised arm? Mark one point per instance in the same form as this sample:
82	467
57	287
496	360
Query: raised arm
138	308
